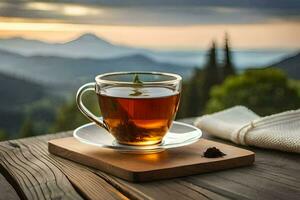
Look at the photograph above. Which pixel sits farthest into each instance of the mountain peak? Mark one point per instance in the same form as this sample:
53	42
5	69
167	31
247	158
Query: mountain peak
90	37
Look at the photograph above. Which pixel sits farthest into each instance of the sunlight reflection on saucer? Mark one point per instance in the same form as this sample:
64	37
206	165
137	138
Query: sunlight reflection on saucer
179	135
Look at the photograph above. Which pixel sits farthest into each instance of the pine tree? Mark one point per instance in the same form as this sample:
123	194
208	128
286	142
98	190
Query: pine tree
212	57
194	106
228	68
211	74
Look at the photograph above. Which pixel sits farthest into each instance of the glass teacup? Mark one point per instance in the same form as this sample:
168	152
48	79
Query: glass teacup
138	108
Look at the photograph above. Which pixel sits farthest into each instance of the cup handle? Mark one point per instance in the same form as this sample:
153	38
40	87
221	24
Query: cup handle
83	109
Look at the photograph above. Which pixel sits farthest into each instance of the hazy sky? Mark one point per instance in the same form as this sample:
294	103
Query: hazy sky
157	23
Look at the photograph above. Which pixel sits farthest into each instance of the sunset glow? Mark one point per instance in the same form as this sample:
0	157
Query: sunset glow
272	35
71	10
154	24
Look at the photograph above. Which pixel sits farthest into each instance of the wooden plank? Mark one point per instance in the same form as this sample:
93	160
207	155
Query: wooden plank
251	183
275	175
6	190
172	163
42	176
33	178
93	187
155	190
267	179
167	189
149	191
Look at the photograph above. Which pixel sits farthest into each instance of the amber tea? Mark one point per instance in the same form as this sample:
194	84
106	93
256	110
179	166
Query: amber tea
138	115
137	108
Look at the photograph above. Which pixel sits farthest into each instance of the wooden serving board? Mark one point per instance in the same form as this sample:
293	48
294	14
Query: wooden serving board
170	163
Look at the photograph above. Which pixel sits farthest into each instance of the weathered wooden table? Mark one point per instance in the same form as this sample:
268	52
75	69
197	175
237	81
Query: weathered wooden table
32	173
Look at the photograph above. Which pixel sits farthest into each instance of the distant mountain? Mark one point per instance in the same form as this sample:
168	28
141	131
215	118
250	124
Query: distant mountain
290	65
75	71
87	45
91	46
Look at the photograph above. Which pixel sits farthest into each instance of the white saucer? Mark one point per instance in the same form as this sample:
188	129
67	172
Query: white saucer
180	134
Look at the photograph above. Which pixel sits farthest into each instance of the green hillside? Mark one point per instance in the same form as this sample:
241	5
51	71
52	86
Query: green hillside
22	99
16	92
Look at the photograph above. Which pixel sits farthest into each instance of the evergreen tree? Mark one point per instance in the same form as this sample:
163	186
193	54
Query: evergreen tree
211	76
194	95
228	68
183	105
191	95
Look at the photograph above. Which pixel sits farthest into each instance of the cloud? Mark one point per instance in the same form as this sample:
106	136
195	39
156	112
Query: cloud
282	4
64	9
154	12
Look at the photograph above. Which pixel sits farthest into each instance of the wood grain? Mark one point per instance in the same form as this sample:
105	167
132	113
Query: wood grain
32	176
275	175
40	175
165	189
6	190
171	163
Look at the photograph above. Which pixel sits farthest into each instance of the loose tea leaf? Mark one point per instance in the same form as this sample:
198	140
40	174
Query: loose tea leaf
213	152
136	79
128	132
138	84
136	92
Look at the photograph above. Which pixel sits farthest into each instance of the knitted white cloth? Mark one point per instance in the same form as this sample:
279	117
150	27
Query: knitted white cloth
242	126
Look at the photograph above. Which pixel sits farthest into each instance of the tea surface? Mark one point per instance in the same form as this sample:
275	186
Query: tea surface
138	115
